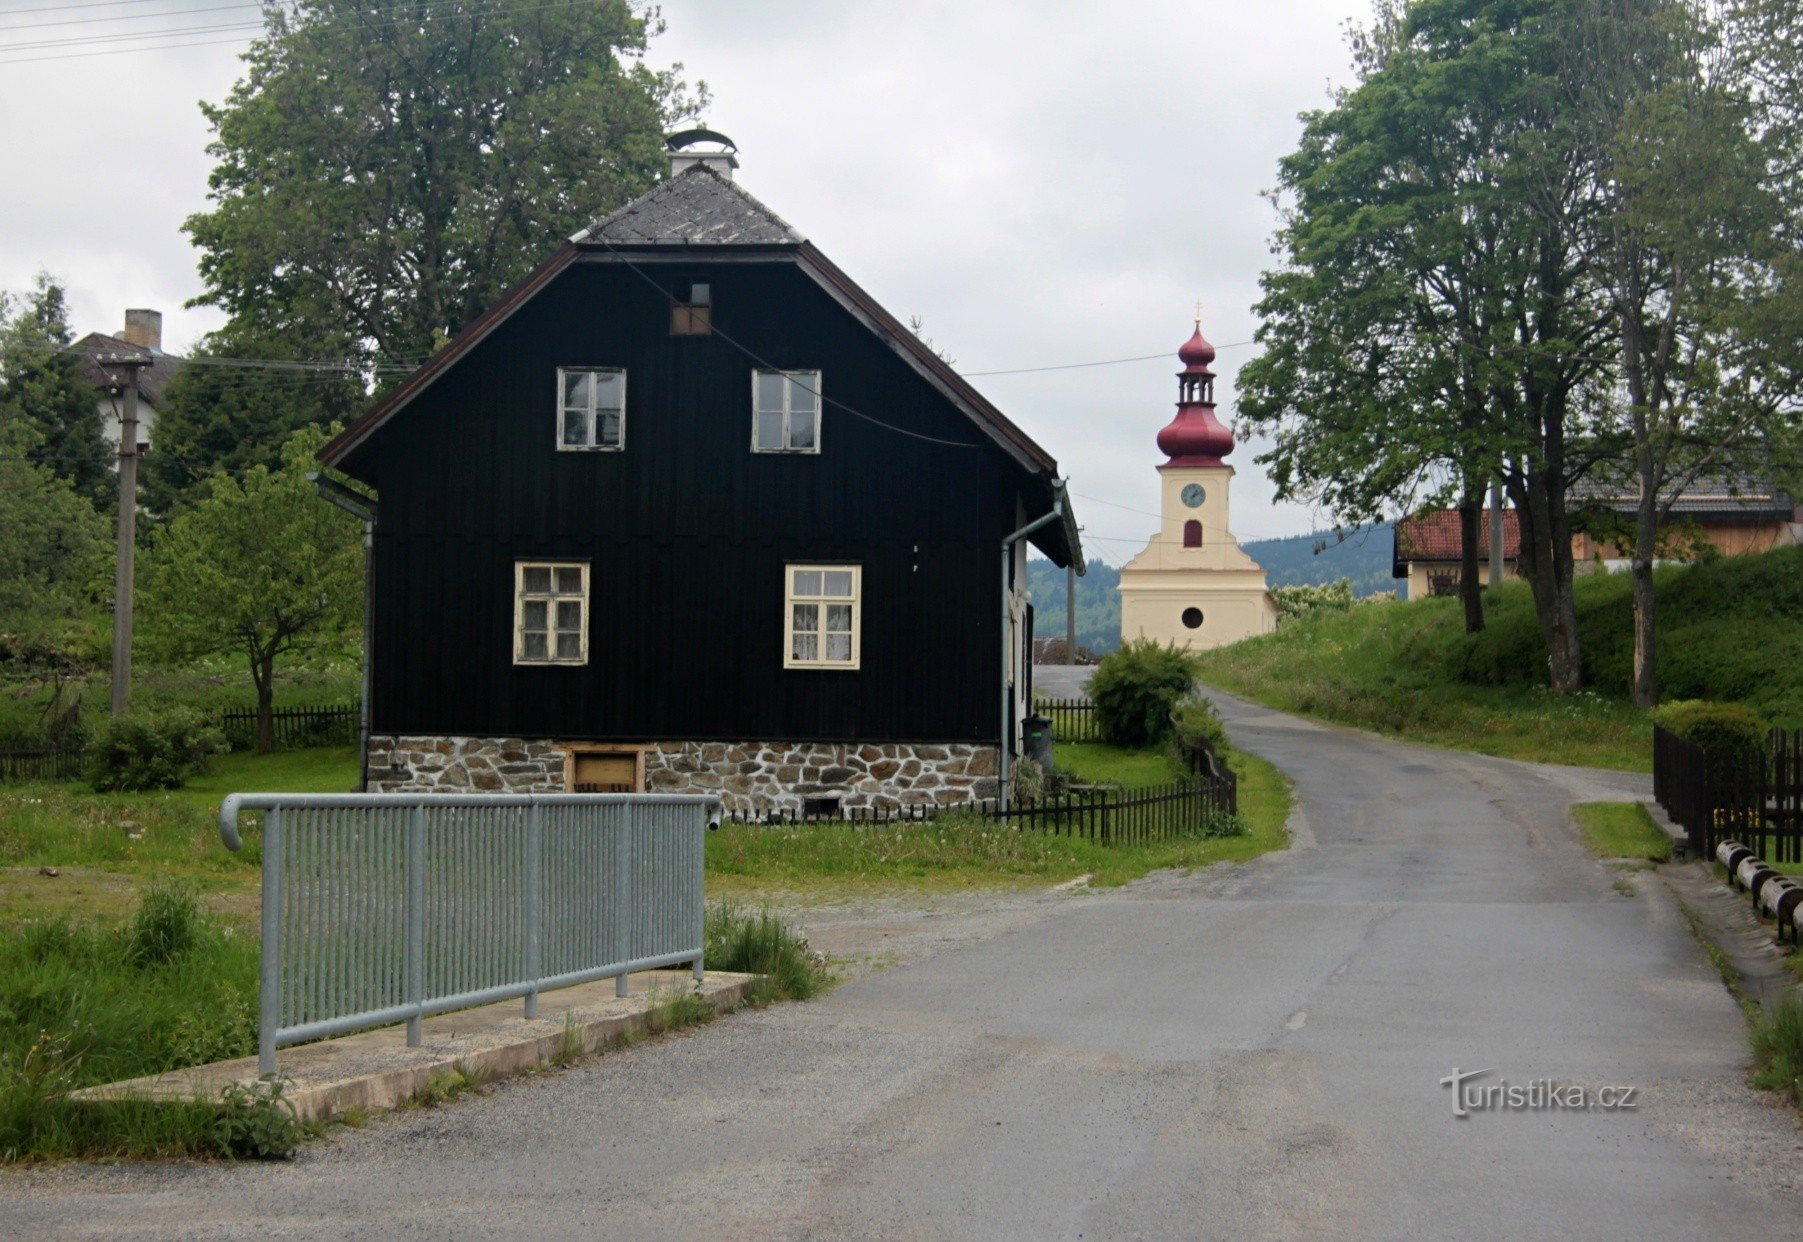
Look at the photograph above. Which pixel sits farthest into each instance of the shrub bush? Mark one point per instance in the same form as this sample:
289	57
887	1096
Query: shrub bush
149	751
1726	732
760	943
1294	602
1135	689
1195	725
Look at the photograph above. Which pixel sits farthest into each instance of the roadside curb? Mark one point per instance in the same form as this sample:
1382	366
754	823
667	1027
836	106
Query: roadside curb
1726	920
1679	837
374	1070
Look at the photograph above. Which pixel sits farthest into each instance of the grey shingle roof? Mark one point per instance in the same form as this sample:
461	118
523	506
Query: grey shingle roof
1723	494
697	207
152	380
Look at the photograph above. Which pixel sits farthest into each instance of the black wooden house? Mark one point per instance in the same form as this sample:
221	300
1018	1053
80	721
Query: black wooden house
687	510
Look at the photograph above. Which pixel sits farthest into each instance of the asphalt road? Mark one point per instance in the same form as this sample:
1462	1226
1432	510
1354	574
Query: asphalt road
1254	1052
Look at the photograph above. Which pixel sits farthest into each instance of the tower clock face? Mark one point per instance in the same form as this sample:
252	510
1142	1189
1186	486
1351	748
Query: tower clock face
1194	495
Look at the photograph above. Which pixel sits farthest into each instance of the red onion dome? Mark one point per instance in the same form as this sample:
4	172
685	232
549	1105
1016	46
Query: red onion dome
1196	351
1195	437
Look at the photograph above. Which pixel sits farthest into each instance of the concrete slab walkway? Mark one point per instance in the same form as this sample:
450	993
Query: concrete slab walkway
377	1069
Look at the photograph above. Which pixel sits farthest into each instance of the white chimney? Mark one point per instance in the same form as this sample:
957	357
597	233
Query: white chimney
684	155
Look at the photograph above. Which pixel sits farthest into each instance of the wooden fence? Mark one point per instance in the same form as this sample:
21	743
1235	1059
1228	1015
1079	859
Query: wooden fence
1073	720
1756	800
55	764
295	727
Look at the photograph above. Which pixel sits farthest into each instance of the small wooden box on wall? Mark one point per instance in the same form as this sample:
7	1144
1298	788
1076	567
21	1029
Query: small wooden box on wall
604	769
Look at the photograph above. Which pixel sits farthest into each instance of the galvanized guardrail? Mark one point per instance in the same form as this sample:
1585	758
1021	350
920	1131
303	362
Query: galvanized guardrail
379	908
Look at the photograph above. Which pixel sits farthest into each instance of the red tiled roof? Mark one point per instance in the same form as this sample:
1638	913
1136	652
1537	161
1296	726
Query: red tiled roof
1434	536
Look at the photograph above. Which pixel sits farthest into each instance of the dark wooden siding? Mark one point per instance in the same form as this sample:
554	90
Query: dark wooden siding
687	531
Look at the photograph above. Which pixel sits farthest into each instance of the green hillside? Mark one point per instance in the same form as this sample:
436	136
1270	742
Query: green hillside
1731	629
1098	603
1361	556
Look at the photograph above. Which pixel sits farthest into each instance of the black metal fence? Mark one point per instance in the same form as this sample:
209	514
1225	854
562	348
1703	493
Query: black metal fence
1073	720
1756	799
55	764
1197	805
295	727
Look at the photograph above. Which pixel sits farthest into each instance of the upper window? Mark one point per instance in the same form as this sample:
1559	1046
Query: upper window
692	313
591	408
550	612
822	605
1192	534
786	407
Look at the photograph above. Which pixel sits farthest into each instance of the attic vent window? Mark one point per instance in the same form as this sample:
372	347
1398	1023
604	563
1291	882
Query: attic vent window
692	313
591	409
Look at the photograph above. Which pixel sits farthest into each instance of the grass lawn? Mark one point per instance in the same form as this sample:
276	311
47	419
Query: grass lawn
1621	830
821	861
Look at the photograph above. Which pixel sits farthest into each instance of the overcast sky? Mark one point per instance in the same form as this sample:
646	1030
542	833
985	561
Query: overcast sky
1043	183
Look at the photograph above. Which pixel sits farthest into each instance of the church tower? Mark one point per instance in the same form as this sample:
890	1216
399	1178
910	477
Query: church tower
1193	585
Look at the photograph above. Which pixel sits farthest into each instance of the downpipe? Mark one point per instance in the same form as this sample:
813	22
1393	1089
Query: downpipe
1056	513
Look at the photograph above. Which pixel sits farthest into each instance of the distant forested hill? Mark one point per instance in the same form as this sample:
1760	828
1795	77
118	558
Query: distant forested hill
1363	556
1098	603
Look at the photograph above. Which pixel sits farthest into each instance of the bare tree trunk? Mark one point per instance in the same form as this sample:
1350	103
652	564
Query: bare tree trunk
1471	588
263	673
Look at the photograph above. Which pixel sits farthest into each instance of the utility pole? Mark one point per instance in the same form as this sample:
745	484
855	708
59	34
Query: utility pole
128	525
1070	612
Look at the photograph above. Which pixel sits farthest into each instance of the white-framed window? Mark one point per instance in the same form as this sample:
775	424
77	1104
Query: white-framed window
550	612
785	415
591	409
821	606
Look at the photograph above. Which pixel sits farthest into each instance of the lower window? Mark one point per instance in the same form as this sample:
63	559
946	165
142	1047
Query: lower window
550	612
821	603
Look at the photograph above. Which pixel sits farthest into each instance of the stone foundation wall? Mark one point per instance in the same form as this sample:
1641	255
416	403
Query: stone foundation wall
752	778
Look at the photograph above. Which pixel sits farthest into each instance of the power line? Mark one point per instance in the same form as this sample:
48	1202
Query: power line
1106	362
125	17
818	396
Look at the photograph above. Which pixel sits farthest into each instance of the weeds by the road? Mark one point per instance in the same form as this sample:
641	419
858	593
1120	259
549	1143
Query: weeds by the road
83	1004
1621	830
1777	1040
760	943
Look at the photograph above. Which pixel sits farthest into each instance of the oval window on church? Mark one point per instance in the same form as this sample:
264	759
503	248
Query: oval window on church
1192	534
1192	618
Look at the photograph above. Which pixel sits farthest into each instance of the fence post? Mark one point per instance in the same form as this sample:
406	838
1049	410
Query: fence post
534	874
415	949
269	992
623	901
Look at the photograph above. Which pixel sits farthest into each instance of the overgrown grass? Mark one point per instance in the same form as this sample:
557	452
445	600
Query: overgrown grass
1621	830
1730	629
1777	1040
758	942
89	1002
105	844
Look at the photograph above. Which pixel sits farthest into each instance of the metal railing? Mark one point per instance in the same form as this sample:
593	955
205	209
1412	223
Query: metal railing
382	908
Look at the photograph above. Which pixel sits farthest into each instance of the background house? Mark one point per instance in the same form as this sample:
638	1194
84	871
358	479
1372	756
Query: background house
1732	514
687	510
142	334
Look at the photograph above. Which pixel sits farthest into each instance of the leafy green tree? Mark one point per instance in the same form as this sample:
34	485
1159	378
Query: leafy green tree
385	171
1686	252
259	567
53	550
54	411
229	417
1429	326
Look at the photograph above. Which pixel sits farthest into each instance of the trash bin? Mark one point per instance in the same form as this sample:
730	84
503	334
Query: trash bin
1036	737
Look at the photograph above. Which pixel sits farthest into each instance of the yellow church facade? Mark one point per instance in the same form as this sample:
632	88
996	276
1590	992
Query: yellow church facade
1193	585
